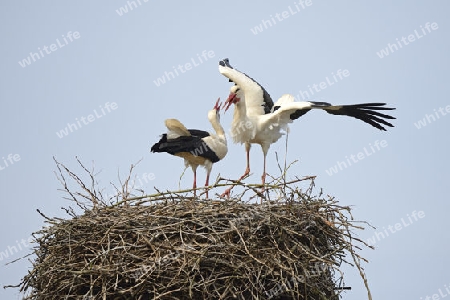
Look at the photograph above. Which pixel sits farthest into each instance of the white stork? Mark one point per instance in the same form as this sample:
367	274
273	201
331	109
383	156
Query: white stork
197	147
257	120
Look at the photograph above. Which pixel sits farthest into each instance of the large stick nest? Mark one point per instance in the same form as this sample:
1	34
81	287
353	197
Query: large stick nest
172	246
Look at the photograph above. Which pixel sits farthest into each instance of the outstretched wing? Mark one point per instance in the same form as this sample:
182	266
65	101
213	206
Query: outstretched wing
366	112
284	111
257	99
289	110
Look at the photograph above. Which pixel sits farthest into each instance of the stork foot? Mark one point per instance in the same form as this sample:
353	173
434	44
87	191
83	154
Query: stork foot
226	193
228	190
263	183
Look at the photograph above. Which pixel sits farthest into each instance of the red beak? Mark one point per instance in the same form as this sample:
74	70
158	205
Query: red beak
218	105
229	101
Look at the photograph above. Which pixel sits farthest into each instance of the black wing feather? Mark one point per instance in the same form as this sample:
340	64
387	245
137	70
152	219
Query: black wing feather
298	113
199	133
195	145
366	112
268	102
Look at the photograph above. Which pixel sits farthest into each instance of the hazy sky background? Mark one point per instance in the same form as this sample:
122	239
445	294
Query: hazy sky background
115	58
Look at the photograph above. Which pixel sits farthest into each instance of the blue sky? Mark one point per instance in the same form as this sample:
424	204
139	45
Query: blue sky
97	72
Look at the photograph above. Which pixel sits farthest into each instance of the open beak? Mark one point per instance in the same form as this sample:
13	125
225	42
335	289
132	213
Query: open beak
229	101
218	105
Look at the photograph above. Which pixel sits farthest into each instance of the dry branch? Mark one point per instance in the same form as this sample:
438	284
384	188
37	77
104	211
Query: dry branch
171	246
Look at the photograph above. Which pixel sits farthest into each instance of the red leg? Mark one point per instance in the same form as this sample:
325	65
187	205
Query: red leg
265	149
263	177
207	183
194	186
247	171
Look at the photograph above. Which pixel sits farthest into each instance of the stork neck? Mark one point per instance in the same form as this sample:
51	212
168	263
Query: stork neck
216	126
240	111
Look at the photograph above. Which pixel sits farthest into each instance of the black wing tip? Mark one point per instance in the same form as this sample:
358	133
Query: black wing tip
199	133
377	123
268	102
367	112
320	104
225	63
387	124
375	106
155	148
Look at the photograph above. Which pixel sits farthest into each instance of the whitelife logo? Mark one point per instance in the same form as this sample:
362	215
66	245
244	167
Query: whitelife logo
71	127
11	250
442	294
34	56
316	88
391	229
130	6
391	48
12	158
184	68
428	119
266	24
341	165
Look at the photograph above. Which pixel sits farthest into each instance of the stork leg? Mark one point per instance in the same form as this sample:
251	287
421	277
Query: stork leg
194	186
247	171
265	149
207	182
263	177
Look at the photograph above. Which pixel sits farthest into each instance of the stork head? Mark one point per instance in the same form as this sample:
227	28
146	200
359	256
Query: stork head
234	97
215	112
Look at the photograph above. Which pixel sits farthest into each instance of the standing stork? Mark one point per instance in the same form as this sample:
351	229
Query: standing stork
196	147
257	120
